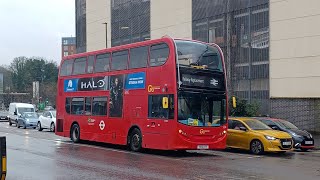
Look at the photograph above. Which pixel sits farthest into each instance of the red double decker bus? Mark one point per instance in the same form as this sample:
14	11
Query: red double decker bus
167	94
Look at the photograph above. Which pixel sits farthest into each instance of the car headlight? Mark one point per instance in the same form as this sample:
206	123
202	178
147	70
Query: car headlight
295	135
270	138
27	120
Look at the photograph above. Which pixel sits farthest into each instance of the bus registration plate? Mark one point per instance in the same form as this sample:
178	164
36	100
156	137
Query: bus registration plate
203	147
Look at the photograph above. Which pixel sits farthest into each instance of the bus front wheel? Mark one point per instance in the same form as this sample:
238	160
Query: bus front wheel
136	140
75	133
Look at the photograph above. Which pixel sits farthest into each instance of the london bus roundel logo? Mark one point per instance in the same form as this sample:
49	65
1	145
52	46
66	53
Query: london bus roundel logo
102	125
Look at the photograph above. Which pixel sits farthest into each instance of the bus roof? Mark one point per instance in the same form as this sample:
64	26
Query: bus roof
125	46
121	47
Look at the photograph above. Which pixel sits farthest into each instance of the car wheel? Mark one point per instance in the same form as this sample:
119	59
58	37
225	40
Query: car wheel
10	124
256	147
135	140
24	125
39	128
18	126
75	133
52	127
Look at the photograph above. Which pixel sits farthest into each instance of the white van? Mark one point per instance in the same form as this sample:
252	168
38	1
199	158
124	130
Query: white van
16	109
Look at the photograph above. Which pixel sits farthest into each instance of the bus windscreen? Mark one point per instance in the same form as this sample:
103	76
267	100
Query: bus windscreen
192	53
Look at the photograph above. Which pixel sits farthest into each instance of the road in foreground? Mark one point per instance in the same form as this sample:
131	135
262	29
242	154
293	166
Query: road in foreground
43	155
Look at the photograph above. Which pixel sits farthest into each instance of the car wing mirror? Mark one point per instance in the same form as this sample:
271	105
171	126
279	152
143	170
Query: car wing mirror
275	128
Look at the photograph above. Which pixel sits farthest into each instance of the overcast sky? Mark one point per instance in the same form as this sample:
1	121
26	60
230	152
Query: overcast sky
34	28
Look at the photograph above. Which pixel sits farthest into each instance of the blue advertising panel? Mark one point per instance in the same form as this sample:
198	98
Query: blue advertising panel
70	85
136	81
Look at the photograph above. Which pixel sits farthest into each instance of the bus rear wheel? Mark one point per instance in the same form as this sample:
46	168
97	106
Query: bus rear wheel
75	133
136	140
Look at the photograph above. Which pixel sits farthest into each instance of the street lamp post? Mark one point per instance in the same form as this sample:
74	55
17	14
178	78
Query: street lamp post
106	34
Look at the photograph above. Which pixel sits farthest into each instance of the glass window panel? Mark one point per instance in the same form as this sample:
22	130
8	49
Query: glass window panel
99	106
79	66
119	60
138	57
66	68
156	109
90	64
77	106
159	54
102	63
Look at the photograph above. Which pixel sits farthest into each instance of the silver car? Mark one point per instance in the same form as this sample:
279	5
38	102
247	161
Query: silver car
28	119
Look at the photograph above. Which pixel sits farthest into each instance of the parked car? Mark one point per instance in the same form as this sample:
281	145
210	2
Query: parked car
17	109
47	121
28	119
4	116
251	134
48	108
302	139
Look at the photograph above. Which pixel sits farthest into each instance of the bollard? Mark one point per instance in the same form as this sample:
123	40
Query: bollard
3	155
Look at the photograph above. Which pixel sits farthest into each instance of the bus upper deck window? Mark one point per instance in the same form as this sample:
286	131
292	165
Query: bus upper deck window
79	66
159	54
102	63
66	68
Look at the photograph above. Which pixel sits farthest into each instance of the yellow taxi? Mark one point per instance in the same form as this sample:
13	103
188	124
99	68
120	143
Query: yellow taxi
250	134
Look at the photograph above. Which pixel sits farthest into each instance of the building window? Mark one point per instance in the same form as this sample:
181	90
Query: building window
65	53
159	54
129	19
65	48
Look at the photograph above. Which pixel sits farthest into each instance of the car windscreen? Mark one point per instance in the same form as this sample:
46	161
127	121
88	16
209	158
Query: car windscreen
54	113
30	115
286	125
22	110
257	125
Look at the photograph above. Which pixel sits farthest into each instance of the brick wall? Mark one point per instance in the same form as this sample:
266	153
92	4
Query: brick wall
304	112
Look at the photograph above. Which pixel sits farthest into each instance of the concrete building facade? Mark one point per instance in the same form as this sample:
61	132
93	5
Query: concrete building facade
294	61
269	45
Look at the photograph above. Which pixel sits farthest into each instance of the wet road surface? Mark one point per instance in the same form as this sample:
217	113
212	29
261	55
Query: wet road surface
43	155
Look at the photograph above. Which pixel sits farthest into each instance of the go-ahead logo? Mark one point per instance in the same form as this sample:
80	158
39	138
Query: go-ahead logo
153	88
203	131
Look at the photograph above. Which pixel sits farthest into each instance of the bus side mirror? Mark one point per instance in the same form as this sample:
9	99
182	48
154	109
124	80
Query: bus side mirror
165	102
15	113
234	102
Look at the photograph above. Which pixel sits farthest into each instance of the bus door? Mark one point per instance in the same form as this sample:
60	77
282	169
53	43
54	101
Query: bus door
160	122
